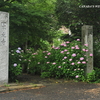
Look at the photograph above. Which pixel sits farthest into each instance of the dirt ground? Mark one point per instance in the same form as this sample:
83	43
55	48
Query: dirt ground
36	79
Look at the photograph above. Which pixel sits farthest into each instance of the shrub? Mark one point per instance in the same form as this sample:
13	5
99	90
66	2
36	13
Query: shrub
93	77
67	61
32	60
96	52
15	68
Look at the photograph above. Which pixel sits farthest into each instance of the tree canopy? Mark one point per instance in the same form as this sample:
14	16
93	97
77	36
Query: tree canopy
30	21
35	21
70	13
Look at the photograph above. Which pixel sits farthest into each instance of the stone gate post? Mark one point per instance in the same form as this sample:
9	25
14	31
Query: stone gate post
4	46
87	38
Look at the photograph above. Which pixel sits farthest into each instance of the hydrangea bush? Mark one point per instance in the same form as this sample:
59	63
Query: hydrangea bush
67	61
15	68
32	60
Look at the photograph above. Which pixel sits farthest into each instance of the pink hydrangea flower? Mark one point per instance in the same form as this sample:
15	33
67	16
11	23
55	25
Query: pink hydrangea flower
77	47
64	45
38	62
78	62
43	51
35	53
72	63
65	57
86	44
53	46
67	42
83	62
59	66
57	48
74	54
65	50
70	59
46	57
49	53
83	49
77	76
81	58
72	47
62	52
67	53
78	39
48	62
86	50
54	63
78	69
91	54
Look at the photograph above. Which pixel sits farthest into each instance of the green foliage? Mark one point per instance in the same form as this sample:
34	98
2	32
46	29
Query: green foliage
94	76
30	22
58	62
46	75
70	14
90	77
67	14
33	24
96	54
33	59
15	68
97	75
66	61
76	17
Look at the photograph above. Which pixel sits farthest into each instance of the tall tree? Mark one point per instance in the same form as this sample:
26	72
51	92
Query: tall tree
30	22
71	14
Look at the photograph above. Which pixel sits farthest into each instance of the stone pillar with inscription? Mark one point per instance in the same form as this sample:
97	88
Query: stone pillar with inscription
87	38
4	46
